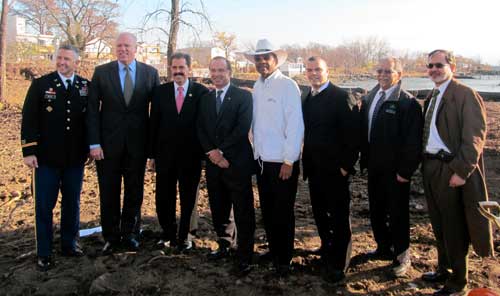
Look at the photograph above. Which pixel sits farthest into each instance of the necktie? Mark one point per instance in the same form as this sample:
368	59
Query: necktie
128	87
375	111
179	100
68	85
218	101
314	92
428	118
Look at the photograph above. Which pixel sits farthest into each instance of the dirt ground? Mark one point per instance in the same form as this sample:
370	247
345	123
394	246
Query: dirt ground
154	272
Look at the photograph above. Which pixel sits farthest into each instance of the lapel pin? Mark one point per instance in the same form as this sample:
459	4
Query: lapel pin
190	95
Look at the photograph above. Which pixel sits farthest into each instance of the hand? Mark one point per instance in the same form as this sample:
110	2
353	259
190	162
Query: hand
456	181
223	163
97	153
31	161
343	172
215	156
285	171
151	164
401	179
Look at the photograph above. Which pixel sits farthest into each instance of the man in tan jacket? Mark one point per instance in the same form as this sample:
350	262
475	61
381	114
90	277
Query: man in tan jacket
453	140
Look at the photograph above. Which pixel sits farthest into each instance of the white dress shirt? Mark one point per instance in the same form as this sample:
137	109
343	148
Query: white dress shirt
64	78
435	142
278	126
388	93
224	92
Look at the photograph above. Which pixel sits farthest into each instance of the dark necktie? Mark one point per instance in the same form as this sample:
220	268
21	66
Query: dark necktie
375	111
128	87
68	85
428	118
218	101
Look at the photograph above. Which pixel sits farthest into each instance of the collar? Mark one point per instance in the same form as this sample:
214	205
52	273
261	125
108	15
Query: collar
224	90
132	66
322	87
389	91
185	85
64	78
442	88
273	76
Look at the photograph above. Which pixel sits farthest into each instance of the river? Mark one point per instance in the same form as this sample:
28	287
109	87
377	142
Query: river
482	83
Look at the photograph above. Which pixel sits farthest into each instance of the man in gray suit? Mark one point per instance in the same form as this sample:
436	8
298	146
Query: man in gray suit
117	119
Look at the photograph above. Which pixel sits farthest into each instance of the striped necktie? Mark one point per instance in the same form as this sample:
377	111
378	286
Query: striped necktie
428	118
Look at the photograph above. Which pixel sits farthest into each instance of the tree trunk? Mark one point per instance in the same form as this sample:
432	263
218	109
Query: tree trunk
172	37
3	49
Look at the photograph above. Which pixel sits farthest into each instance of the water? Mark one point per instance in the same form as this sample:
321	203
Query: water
482	83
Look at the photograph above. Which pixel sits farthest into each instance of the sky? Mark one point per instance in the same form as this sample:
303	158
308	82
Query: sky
469	28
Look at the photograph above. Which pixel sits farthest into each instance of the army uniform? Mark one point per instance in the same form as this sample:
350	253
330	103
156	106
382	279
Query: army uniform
53	129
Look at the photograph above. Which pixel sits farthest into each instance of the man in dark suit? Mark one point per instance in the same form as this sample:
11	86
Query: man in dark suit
117	119
223	125
175	150
454	178
331	120
391	150
53	143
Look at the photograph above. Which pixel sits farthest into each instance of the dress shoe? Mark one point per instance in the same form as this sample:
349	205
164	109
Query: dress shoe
185	246
75	252
379	254
44	263
399	269
335	276
221	252
448	291
162	244
318	251
242	269
131	244
435	277
109	248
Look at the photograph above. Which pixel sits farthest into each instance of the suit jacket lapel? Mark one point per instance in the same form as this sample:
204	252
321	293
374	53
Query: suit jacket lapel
448	93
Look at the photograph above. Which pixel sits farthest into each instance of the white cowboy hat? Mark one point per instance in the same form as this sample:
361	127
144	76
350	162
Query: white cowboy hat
263	47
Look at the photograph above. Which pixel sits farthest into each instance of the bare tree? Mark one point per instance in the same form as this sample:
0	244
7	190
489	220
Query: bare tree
225	41
179	14
3	48
83	20
36	14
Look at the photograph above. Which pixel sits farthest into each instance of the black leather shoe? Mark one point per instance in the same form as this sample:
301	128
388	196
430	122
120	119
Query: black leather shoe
131	244
318	251
44	263
75	252
435	277
221	252
447	291
335	276
109	248
379	254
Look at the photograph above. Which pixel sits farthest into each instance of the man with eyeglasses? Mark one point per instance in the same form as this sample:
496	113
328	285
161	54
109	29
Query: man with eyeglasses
278	130
453	139
391	150
331	148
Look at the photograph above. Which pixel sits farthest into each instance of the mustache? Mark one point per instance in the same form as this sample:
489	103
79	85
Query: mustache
178	74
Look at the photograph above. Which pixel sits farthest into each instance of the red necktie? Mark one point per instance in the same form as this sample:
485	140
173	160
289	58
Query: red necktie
180	98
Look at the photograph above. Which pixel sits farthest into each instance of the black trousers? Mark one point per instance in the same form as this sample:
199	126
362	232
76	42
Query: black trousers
330	200
121	222
389	211
230	188
277	200
167	179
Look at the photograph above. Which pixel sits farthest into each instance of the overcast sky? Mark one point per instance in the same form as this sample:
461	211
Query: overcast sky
469	28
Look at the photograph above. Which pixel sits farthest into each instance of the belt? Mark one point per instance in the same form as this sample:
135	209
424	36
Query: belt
441	155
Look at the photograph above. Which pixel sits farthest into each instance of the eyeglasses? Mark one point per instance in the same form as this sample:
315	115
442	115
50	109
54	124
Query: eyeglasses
437	65
385	71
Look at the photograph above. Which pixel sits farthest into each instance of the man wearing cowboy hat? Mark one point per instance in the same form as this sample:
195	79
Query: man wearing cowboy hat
278	130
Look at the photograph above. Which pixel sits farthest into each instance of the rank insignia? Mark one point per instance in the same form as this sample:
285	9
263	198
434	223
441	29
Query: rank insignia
58	85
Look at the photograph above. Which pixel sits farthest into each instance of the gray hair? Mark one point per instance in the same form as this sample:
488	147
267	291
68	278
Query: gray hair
448	55
72	48
127	34
398	65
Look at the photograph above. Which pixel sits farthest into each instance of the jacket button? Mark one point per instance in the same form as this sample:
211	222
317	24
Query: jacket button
67	128
69	102
68	119
67	110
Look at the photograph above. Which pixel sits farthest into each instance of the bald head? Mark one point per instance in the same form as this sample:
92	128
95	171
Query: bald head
126	47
